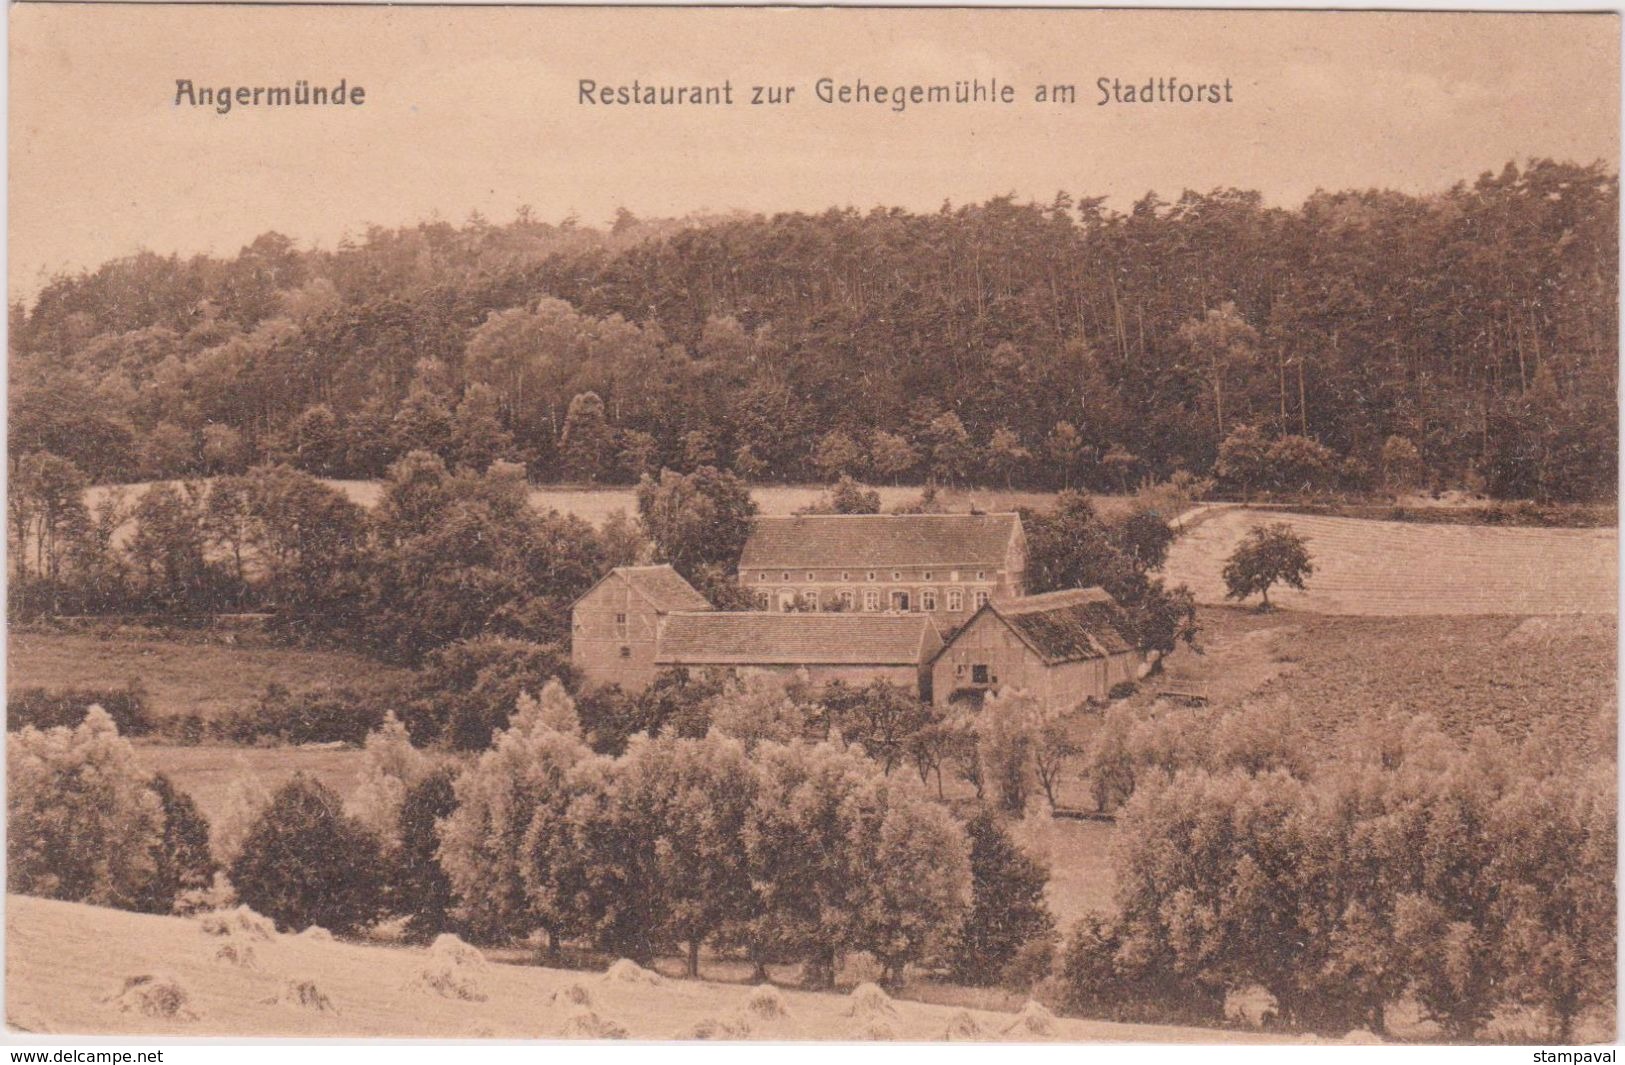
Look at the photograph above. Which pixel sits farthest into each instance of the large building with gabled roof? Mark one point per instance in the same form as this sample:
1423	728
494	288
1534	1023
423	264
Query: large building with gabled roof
944	565
1061	647
640	620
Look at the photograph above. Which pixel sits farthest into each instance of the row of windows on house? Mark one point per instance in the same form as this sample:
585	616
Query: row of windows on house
897	600
871	575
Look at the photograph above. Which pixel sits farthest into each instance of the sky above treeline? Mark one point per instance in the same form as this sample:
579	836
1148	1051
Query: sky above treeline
479	109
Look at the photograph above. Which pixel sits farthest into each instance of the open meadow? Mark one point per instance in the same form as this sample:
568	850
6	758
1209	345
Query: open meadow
594	504
182	673
67	963
1401	568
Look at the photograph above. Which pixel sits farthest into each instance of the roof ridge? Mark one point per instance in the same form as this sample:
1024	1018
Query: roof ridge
950	514
828	615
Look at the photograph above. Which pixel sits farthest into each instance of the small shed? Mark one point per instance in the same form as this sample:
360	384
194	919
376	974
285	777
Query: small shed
1063	647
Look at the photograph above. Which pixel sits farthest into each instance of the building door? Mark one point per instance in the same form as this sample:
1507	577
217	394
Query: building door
899	601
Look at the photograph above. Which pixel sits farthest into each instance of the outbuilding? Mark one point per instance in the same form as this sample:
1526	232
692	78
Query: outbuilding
1062	647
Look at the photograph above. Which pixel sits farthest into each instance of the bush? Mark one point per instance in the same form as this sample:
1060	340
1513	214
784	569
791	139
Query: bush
44	708
1122	689
306	863
341	716
83	822
183	730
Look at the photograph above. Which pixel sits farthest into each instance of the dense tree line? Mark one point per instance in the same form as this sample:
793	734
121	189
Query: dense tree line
1471	879
1478	325
780	851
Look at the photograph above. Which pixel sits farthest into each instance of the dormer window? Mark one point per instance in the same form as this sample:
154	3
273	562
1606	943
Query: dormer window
871	575
981	574
784	576
845	576
810	577
927	575
761	576
896	574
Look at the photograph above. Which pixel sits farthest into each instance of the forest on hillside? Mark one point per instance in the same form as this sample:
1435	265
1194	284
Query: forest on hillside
1047	344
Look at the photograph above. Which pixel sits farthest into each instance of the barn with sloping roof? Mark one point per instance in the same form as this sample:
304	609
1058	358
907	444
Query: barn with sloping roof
614	626
855	648
1062	647
944	565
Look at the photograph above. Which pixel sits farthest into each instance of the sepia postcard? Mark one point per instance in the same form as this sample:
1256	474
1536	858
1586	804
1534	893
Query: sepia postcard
812	524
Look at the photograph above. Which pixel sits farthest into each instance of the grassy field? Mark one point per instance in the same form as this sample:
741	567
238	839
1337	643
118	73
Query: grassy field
207	773
65	962
182	676
1520	676
594	504
1393	568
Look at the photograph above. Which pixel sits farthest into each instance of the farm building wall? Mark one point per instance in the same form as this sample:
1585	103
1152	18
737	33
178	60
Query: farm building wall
613	630
987	643
984	644
907	677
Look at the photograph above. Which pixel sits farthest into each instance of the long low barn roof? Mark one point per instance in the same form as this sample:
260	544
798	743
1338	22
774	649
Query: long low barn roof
763	638
879	541
1068	626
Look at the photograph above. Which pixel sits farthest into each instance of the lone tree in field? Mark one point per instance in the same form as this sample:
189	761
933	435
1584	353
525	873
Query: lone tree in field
1270	555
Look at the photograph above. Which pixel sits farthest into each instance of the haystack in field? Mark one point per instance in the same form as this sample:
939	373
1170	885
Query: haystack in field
303	993
317	933
867	1000
877	1029
962	1027
571	994
717	1028
451	969
153	995
1033	1022
767	1002
448	980
586	1024
239	920
237	952
447	947
627	971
